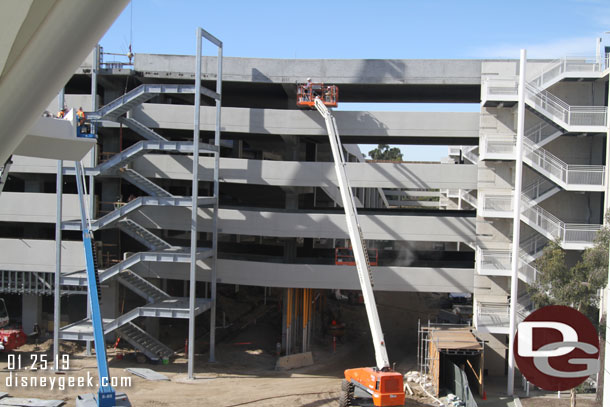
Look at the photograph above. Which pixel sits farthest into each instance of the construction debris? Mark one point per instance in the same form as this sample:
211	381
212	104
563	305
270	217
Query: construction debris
294	361
147	374
23	402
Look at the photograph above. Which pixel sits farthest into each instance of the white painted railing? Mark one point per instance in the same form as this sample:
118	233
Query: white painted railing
538	188
468	152
568	65
569	174
496	314
504	145
557	109
541	132
497	203
533	245
499	262
467	197
567	233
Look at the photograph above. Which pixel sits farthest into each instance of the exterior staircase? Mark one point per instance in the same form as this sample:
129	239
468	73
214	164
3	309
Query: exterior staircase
141	129
142	341
135	97
143	183
143	235
142	287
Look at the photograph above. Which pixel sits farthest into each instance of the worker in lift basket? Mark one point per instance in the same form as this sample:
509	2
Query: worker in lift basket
81	116
307	91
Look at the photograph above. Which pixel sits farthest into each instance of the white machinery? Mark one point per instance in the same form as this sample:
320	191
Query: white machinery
381	382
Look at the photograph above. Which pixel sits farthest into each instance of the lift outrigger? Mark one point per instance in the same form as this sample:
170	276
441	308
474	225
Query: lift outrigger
381	382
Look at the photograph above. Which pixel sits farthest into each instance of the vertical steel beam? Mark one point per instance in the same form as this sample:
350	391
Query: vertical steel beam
514	279
57	292
215	216
194	206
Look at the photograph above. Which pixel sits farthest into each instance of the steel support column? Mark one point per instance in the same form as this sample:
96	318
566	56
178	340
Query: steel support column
514	279
194	206
56	288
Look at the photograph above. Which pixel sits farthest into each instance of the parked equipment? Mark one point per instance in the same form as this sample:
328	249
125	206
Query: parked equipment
10	338
381	382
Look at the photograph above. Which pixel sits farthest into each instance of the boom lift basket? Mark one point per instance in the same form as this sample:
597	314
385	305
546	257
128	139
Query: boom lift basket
308	92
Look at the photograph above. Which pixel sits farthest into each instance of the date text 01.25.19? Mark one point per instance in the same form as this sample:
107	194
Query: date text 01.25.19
35	362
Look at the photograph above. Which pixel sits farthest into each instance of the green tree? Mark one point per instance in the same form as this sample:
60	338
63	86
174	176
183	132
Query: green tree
574	285
384	152
577	285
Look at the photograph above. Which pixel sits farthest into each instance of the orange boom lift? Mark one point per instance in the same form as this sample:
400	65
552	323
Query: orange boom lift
381	382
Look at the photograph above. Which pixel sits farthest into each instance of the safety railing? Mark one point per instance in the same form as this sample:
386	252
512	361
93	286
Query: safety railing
567	173
468	152
541	132
533	245
538	188
553	70
498	146
497	314
557	109
499	262
567	233
497	203
467	197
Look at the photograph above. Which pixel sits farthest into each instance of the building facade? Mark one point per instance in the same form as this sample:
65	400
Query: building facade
437	227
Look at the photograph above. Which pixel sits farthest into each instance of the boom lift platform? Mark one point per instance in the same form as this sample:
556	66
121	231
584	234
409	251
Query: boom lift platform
381	382
308	92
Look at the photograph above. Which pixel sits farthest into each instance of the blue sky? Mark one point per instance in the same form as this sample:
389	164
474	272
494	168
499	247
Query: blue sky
402	29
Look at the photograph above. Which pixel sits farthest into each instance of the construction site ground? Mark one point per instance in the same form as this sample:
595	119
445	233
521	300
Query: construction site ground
245	375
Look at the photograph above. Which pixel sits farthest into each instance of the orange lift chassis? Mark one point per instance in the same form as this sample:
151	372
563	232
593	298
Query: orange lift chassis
381	382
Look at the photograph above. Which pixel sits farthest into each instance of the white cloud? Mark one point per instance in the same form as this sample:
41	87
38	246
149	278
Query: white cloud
577	46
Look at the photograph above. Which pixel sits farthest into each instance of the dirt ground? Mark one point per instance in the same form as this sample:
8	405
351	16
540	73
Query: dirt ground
244	374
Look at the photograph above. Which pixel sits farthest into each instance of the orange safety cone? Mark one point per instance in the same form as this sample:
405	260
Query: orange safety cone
484	395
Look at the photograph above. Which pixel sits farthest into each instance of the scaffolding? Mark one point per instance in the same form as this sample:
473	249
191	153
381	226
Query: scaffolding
434	339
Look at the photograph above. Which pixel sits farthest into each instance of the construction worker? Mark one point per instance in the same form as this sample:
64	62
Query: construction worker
307	91
80	115
61	113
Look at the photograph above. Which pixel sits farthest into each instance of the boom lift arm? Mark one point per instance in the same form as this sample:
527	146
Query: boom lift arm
355	235
106	396
381	382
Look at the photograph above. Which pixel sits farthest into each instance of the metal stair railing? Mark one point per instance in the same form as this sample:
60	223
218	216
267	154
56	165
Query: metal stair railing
539	188
144	342
542	133
556	70
468	152
560	112
142	287
143	235
143	183
142	93
141	147
553	228
566	174
141	129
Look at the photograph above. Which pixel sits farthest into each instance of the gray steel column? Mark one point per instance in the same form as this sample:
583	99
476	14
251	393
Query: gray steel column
57	292
514	279
194	206
215	216
94	67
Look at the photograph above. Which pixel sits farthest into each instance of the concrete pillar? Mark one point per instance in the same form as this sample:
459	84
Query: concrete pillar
31	312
